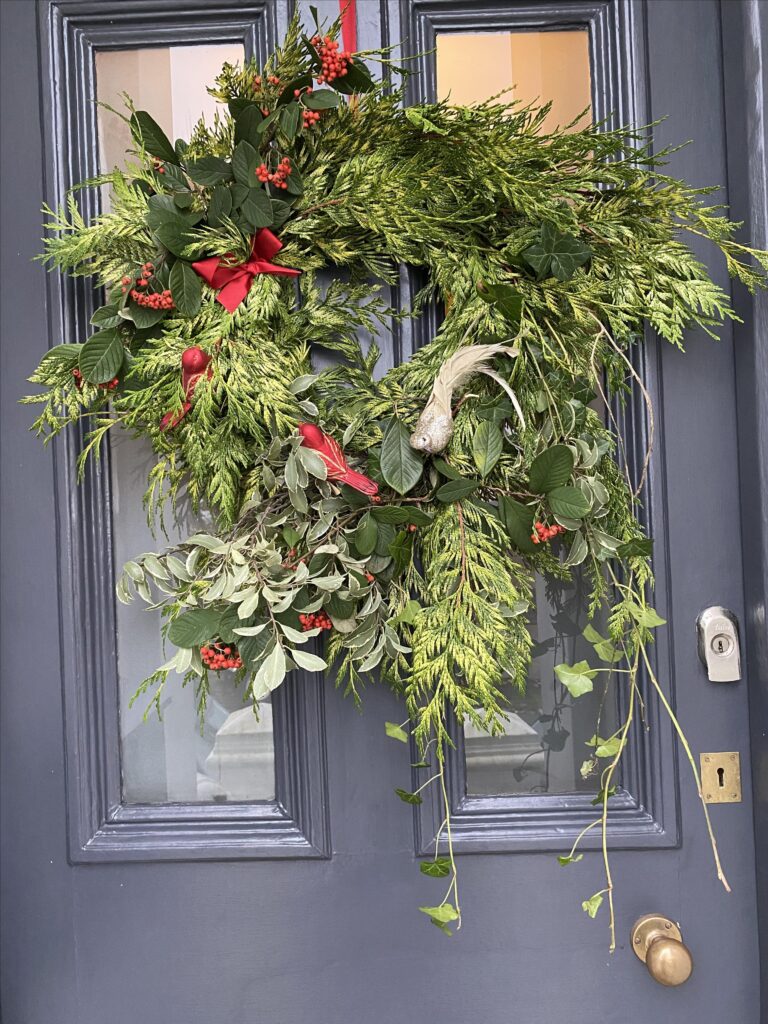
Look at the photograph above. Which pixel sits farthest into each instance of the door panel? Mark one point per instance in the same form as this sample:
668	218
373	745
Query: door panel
187	913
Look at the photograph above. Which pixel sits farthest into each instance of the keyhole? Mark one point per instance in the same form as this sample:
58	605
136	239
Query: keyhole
721	777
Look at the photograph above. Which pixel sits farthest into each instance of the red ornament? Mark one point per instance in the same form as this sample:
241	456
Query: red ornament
332	455
194	365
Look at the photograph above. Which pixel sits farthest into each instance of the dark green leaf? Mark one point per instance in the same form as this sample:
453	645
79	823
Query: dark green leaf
102	356
148	133
194	627
366	535
295	183
401	514
186	288
288	93
289	119
401	550
551	469
220	205
106	316
408	798
568	501
357	79
257	208
247	125
440	867
639	547
455	490
183	200
446	470
281	211
209	171
557	254
401	467
142	316
322	99
237	105
518	520
487	444
505	298
174	236
245	160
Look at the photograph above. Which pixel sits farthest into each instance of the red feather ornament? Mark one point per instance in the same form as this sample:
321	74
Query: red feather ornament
194	365
332	455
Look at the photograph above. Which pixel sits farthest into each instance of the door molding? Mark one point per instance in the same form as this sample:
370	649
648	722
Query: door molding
100	827
645	809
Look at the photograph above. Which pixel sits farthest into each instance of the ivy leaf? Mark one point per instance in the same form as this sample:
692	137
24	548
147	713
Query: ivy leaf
440	867
455	490
366	535
247	124
556	254
209	171
609	747
571	858
550	469
592	905
408	798
418	120
518	520
101	357
647	617
396	732
505	298
441	916
245	160
568	501
577	679
257	208
194	627
401	467
600	798
323	99
409	614
186	288
641	547
487	444
148	133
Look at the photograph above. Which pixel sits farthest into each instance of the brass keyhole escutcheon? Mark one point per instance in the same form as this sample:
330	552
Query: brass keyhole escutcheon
658	942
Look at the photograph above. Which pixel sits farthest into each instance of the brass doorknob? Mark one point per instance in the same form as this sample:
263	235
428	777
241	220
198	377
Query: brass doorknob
659	944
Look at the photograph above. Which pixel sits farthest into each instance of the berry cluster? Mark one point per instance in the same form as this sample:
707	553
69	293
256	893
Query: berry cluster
334	63
544	533
109	385
217	657
278	178
142	281
272	79
157	165
310	117
315	620
155	300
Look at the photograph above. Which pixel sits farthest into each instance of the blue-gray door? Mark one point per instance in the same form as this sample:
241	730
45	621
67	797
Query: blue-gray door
266	873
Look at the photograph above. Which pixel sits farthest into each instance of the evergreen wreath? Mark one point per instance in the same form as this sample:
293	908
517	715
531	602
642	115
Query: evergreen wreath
405	515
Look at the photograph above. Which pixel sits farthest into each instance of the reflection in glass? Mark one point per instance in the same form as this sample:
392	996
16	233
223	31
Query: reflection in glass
541	66
543	746
170	760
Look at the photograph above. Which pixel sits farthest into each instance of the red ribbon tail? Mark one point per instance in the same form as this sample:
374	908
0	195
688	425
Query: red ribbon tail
348	9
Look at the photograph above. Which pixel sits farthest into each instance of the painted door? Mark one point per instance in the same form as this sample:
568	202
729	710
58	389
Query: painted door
266	872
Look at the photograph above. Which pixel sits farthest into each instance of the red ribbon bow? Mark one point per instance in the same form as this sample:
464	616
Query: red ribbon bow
234	282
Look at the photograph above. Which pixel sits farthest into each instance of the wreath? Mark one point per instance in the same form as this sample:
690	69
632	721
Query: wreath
402	516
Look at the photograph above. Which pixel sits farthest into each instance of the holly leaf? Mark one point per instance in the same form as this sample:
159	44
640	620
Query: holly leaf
487	444
568	501
148	133
455	490
401	467
209	171
101	357
440	867
396	732
550	469
194	627
186	288
577	679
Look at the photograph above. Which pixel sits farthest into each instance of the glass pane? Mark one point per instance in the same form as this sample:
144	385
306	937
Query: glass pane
541	66
170	760
543	746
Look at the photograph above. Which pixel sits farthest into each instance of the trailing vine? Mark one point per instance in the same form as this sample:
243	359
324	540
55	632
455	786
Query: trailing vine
404	515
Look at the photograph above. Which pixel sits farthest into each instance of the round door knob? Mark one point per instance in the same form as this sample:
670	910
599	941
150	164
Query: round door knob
658	942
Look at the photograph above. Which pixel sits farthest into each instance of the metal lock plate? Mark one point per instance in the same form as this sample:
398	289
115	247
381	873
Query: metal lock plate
721	777
719	644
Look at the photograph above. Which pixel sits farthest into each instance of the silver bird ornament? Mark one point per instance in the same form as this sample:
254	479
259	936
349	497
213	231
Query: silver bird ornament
435	425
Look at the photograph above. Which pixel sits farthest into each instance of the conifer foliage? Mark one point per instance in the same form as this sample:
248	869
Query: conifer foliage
229	259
